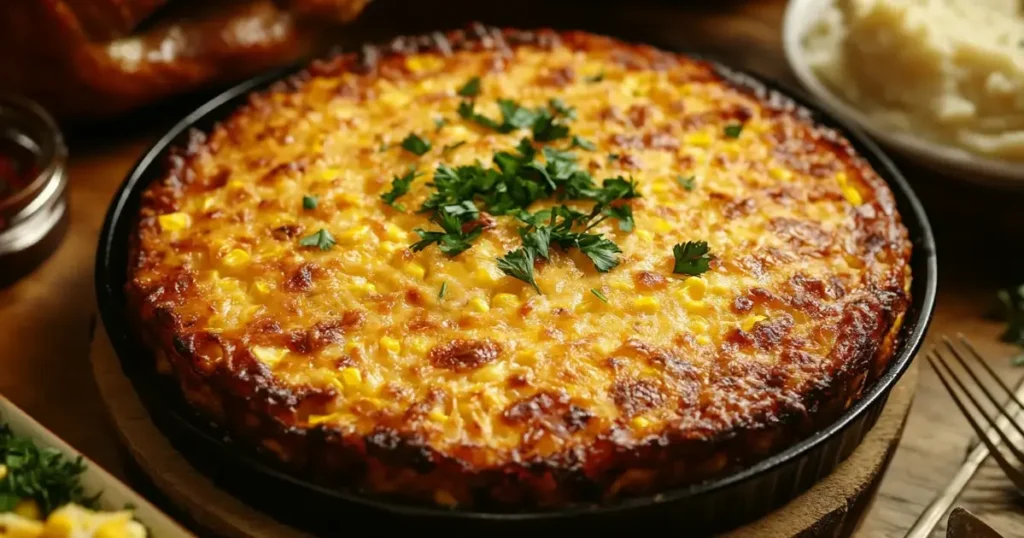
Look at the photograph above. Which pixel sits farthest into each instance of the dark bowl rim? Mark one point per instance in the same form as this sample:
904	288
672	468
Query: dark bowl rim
919	316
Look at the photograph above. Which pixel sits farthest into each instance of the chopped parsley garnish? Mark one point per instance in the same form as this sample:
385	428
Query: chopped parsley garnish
519	264
439	123
447	149
44	475
415	145
691	258
1013	311
612	157
582	143
734	130
471	88
545	122
453	239
595	78
399	187
444	288
597	293
688	183
321	239
625	215
383	147
309	202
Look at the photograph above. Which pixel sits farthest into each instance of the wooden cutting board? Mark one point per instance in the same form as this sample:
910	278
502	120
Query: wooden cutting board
832	508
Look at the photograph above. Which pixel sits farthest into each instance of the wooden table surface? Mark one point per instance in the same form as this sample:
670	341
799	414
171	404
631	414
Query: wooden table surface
45	319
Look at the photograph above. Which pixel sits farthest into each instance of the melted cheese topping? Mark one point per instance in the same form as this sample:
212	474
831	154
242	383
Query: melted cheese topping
492	360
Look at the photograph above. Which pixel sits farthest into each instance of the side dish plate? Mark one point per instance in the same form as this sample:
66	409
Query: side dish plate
747	494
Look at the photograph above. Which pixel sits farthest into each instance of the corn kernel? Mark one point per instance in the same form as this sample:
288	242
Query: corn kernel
640	422
3	471
262	286
395	233
329	174
208	203
390	344
699	325
695	287
364	287
526	357
347	198
415	270
506	300
605	346
390	247
353	235
173	222
483	276
59	524
645	236
780	174
423	63
396	99
22	528
694	306
352	346
662	226
660	187
490	373
316	420
437	416
269	355
851	194
646	303
444	498
698	139
703	339
732	149
479	304
235	258
352	377
113	528
28	509
748	323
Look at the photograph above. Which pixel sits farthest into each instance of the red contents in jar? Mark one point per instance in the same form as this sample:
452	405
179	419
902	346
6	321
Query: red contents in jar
15	171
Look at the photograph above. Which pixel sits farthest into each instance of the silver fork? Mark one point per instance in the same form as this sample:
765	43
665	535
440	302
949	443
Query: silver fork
998	425
937	359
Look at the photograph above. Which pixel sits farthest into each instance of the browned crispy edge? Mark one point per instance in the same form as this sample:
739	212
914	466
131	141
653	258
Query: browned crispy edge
242	397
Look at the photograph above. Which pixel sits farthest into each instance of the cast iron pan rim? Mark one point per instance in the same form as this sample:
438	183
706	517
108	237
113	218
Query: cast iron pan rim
918	317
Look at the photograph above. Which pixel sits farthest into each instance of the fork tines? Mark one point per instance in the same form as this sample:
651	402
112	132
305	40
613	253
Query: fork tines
997	426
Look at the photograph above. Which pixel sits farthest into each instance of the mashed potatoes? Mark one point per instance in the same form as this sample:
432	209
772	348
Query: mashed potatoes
950	70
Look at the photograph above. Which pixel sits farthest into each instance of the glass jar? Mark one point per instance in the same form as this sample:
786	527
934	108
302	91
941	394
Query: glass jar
33	188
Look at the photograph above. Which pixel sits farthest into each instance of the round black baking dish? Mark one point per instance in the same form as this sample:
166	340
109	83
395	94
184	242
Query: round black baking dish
705	507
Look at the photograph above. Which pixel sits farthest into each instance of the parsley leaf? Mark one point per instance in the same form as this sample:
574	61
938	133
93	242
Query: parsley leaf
447	149
691	258
734	130
624	213
616	188
1013	312
537	240
444	289
688	183
399	187
453	239
439	123
613	157
321	239
309	202
595	78
544	122
471	88
44	475
578	142
597	293
415	145
600	251
383	147
519	264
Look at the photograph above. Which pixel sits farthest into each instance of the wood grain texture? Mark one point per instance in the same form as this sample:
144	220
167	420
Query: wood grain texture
831	508
45	318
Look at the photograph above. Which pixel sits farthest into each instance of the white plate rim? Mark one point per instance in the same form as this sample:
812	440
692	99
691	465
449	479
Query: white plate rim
95	479
798	16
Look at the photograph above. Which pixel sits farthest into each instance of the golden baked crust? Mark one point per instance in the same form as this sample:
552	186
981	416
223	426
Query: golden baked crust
348	364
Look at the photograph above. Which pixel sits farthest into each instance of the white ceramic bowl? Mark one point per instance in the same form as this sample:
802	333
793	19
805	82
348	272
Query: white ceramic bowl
950	161
115	495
